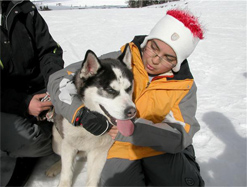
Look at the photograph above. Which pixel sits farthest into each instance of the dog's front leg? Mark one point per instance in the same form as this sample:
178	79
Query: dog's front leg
95	163
68	154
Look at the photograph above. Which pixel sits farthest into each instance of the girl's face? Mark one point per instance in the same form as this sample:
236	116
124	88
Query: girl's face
158	57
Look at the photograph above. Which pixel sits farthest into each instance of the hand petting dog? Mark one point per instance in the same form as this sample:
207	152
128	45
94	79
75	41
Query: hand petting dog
36	106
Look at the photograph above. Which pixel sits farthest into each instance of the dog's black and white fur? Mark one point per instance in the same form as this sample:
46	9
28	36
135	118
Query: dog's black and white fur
105	86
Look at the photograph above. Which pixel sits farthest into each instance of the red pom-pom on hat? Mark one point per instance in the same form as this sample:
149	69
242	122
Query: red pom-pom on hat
189	21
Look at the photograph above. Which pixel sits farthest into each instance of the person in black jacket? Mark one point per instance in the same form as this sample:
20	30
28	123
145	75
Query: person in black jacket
29	55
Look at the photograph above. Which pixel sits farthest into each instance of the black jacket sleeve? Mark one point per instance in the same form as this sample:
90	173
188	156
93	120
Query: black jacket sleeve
49	52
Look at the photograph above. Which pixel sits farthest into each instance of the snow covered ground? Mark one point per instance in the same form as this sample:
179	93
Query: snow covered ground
218	65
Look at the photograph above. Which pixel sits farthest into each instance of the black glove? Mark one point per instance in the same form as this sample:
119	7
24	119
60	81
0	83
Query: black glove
93	122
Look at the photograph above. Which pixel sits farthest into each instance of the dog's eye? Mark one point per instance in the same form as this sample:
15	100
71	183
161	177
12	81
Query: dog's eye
112	91
129	89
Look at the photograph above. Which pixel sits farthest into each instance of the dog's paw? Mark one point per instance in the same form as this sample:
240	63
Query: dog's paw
64	184
54	169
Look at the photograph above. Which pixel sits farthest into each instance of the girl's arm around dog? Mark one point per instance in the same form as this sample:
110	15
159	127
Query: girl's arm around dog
63	92
171	135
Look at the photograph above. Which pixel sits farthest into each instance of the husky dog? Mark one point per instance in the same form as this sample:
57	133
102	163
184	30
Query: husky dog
104	86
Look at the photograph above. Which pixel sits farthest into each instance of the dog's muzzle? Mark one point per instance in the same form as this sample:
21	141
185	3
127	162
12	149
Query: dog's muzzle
125	127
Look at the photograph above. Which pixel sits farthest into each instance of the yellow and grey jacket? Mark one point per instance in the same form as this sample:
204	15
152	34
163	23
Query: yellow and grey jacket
166	108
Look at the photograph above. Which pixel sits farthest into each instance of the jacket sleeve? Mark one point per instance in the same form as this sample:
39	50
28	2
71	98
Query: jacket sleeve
63	93
114	55
171	135
49	52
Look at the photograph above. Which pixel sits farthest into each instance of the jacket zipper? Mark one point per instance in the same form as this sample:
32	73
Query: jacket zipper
10	12
148	84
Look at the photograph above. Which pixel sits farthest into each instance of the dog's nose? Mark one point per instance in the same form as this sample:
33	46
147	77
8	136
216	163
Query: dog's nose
130	112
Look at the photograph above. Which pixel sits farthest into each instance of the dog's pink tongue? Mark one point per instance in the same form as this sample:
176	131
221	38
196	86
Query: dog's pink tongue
126	127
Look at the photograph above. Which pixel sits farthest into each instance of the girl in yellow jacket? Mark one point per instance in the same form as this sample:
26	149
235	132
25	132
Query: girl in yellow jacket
159	153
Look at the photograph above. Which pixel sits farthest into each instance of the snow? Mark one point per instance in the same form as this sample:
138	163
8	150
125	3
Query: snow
83	2
78	4
218	65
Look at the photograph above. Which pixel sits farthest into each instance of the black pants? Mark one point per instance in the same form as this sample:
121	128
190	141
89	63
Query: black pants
22	137
178	169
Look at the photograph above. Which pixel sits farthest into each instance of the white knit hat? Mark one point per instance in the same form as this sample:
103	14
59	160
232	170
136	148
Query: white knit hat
180	30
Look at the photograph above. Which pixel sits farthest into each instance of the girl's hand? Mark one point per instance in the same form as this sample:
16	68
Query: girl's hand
113	132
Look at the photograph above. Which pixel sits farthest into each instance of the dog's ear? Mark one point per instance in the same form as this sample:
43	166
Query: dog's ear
126	56
90	65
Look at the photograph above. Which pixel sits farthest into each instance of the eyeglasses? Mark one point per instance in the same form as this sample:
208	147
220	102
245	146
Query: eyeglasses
153	50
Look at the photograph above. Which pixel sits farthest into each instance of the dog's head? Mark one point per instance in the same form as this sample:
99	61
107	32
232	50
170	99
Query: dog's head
106	86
